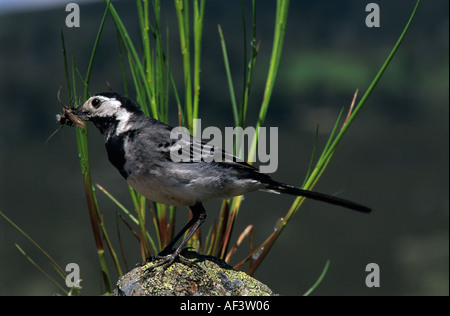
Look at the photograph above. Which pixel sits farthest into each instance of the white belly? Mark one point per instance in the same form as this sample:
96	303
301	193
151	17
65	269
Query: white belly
170	191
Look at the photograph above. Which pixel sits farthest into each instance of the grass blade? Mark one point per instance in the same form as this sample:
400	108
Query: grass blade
319	280
42	270
230	81
45	253
199	13
280	31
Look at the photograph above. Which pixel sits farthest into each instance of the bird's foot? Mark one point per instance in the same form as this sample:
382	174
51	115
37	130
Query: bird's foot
166	258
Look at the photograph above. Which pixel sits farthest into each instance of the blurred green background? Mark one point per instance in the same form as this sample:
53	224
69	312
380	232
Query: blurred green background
394	158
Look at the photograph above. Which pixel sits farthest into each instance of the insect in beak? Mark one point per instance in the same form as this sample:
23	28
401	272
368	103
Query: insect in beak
70	116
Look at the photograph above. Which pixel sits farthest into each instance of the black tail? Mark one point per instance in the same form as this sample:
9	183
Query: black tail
289	189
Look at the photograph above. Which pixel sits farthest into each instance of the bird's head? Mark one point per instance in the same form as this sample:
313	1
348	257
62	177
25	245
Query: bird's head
107	110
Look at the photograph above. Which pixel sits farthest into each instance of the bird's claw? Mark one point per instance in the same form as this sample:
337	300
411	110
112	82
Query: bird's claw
165	260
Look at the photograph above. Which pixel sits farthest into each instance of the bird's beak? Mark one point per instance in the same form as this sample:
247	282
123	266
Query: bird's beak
81	112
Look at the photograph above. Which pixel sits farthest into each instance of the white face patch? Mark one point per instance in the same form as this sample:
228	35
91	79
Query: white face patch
109	107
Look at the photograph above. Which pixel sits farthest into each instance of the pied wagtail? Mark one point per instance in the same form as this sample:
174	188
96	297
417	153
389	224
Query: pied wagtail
139	147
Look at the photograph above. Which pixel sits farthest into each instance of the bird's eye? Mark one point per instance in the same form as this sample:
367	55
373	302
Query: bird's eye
96	103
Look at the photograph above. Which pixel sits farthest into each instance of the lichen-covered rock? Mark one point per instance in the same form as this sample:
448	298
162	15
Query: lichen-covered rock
207	276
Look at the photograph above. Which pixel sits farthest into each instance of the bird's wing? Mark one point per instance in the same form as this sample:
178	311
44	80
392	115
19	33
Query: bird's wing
188	149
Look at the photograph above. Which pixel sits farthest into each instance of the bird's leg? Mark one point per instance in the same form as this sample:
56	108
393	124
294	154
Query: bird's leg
169	257
169	248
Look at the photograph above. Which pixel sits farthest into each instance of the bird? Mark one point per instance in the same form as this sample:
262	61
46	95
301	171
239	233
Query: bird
140	148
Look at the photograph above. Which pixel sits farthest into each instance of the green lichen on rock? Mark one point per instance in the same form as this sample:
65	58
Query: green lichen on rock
207	276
